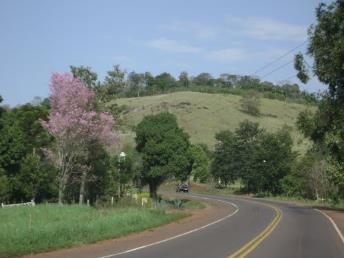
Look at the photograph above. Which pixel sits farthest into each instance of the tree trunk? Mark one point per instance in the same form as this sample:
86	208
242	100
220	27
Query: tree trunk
153	191
61	193
82	188
62	186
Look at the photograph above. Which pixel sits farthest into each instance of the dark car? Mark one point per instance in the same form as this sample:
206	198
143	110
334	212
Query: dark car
182	187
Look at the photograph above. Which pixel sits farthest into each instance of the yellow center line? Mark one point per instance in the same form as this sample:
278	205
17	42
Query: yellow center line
251	245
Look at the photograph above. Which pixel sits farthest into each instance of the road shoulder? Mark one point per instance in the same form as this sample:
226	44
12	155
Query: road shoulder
337	217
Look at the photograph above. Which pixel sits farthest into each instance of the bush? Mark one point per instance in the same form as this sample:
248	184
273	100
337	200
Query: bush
250	103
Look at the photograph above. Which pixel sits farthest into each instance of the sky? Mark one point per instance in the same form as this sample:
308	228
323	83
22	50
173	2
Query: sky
40	37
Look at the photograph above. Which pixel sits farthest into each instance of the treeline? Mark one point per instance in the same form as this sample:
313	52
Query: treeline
57	150
33	137
265	164
260	160
119	83
65	150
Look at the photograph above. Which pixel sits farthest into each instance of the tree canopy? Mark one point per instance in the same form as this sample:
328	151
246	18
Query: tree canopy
164	148
258	158
326	48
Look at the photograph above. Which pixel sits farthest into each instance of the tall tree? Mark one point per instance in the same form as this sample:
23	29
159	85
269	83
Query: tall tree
21	135
85	74
258	158
203	79
223	164
164	81
113	84
165	150
136	83
184	79
75	126
326	48
200	164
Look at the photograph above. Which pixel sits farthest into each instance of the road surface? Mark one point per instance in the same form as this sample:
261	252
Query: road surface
258	229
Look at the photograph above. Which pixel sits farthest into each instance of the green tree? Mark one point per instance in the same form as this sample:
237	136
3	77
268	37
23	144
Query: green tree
184	79
164	148
309	178
36	178
273	161
164	81
113	84
305	122
21	134
4	187
224	163
326	48
258	158
246	147
86	75
136	83
203	79
200	164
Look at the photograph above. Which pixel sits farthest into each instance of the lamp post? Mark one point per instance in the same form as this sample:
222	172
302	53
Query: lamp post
121	159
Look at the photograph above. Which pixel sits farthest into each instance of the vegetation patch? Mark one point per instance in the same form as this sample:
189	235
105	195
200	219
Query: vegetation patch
210	113
25	230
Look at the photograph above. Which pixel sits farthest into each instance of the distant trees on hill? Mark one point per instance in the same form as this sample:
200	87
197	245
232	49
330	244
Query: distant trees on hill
120	83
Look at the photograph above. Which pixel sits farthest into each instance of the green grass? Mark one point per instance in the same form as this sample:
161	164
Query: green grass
26	230
193	204
202	115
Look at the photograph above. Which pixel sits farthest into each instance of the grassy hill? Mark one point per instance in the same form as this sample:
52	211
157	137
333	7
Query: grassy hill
202	115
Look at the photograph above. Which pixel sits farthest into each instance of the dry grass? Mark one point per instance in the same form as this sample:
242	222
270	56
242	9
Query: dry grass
202	115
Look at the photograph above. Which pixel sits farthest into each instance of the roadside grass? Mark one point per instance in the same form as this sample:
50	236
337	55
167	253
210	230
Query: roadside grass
202	115
25	230
193	204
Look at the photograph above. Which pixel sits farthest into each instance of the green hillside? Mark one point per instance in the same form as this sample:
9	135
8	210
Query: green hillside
202	115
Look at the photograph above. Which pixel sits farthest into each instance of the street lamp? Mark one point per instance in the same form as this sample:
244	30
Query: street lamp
121	158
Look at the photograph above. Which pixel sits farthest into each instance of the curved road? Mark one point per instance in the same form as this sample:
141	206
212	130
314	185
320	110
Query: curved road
298	232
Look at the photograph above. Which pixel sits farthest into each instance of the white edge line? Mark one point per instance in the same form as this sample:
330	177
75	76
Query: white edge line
333	224
183	234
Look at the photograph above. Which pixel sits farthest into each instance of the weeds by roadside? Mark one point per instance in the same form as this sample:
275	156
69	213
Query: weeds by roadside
26	230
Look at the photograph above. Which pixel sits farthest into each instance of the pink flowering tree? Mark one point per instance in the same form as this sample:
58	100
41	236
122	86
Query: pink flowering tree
75	125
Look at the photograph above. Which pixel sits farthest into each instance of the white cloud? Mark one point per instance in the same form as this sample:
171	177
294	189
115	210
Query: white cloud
267	29
196	29
227	54
173	46
224	55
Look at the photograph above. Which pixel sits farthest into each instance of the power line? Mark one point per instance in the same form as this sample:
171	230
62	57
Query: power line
276	69
279	58
289	77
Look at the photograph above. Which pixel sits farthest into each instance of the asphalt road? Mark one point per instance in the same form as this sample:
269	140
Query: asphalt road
300	232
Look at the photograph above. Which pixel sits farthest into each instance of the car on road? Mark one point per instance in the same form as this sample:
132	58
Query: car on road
182	187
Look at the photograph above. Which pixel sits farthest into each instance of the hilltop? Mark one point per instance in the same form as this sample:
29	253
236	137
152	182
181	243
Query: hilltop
202	115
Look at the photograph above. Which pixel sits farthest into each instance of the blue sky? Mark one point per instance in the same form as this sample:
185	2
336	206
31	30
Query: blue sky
42	37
